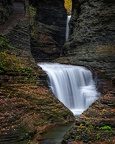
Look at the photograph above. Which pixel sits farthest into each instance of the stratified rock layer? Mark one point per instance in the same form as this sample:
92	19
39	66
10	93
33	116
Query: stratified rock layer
48	30
92	43
92	39
27	106
96	125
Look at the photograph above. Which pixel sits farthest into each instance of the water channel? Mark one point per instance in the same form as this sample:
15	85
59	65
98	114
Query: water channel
55	135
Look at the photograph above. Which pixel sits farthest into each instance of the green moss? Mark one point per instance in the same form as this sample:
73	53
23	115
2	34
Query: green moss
32	10
14	65
9	62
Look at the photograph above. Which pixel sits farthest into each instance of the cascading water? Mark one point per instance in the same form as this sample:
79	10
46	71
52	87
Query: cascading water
67	27
72	85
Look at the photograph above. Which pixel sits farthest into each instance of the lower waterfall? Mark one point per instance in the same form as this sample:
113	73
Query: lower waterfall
72	85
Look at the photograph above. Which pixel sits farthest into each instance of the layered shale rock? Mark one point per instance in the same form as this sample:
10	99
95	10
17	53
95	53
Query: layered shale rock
95	125
92	43
27	105
48	30
92	39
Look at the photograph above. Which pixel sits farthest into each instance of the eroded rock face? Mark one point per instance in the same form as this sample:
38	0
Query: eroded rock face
92	43
5	10
26	108
92	39
49	27
95	125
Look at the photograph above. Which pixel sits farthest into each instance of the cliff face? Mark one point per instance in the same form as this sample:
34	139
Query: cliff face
27	106
48	30
92	43
92	39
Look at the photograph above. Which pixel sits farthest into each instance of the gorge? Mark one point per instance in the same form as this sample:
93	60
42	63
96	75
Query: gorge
33	31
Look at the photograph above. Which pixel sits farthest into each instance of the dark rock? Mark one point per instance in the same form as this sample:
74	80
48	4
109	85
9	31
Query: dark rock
96	124
113	81
5	10
49	27
92	35
26	109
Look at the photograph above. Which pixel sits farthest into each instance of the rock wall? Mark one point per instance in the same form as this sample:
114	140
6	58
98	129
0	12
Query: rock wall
17	27
95	125
49	29
28	108
92	43
5	10
92	39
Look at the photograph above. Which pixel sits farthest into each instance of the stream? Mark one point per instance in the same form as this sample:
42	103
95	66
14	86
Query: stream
55	135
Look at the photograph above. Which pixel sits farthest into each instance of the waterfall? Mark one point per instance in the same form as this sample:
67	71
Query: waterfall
67	27
72	85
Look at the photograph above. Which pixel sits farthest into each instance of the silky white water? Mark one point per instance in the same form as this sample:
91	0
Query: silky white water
72	85
67	27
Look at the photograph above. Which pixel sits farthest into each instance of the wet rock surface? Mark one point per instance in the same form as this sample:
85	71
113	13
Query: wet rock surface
92	35
26	111
91	44
95	125
48	30
28	107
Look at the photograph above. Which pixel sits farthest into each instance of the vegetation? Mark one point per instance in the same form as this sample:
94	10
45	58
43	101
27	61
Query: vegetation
32	10
11	63
90	133
68	6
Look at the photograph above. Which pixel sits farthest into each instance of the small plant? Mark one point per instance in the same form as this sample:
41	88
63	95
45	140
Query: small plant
32	10
81	125
9	95
98	135
3	40
106	128
1	43
9	46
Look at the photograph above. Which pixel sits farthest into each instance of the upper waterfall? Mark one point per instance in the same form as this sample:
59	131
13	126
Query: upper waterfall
72	85
67	27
